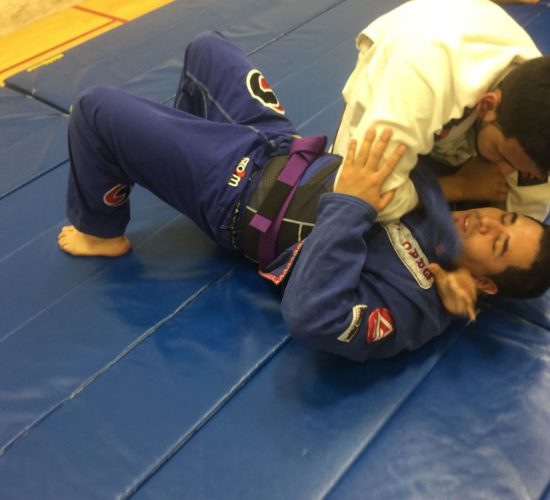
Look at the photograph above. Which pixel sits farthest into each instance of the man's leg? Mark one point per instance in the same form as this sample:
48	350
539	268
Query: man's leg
117	139
220	83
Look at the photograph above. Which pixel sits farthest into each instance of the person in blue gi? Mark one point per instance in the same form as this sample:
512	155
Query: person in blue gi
227	157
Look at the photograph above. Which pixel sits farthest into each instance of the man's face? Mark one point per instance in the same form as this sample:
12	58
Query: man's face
493	146
494	240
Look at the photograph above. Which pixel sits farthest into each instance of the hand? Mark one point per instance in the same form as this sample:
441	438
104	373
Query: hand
482	181
364	173
457	290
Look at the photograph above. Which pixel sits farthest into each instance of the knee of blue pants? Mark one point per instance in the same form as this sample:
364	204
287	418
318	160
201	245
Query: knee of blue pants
204	40
88	102
203	50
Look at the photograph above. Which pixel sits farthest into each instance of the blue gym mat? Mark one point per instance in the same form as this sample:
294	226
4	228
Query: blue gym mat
33	139
168	373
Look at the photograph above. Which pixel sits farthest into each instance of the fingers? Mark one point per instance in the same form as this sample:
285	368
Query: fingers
466	305
391	162
364	150
385	199
436	270
364	169
377	152
471	313
350	156
371	153
456	289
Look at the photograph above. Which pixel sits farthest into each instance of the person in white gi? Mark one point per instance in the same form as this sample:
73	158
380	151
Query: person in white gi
434	71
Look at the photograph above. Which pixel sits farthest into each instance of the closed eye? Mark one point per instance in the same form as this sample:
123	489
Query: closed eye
508	218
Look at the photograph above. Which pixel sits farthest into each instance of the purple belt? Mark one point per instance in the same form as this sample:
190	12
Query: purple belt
269	217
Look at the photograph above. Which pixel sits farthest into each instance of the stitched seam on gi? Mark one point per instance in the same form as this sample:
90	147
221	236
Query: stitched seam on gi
204	89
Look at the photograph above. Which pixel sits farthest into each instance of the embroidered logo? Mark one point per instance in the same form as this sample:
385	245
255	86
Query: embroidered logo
261	90
528	179
410	253
349	334
380	324
117	195
239	173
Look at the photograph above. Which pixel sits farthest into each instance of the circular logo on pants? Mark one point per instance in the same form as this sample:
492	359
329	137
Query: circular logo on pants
117	195
261	90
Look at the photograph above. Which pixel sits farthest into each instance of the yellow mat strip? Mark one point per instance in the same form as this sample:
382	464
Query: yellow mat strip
45	40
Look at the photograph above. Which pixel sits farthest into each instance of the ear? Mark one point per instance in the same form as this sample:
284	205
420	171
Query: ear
486	285
488	105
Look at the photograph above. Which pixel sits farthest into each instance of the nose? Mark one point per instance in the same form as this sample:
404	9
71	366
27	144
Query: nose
489	226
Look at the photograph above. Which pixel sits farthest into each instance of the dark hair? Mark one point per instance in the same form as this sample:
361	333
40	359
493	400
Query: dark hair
524	110
517	283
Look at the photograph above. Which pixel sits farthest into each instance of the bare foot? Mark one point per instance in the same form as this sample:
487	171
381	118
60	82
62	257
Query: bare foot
72	241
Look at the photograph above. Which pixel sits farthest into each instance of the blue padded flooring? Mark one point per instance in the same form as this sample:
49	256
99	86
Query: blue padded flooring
168	373
26	122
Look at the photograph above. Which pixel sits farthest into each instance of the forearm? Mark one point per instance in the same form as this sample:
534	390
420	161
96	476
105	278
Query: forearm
477	180
324	299
452	187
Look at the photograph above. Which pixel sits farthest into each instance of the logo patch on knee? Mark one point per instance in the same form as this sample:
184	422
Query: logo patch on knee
261	90
117	195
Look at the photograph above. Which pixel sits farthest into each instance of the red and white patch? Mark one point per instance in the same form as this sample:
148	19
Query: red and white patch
380	325
261	90
117	195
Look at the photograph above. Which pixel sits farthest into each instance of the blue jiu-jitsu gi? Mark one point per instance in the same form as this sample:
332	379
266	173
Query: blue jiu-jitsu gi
353	287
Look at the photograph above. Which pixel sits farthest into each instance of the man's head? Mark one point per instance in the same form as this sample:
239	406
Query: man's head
507	253
514	126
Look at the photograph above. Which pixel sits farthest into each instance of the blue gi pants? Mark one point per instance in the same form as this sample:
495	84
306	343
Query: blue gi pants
193	156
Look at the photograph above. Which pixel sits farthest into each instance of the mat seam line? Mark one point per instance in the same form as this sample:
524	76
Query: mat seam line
535	16
27	243
32	179
103	370
350	462
294	28
183	440
278	37
253	51
81	284
315	115
24	92
516	315
533	351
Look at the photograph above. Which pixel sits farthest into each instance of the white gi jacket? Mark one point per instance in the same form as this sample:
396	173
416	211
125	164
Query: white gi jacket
421	70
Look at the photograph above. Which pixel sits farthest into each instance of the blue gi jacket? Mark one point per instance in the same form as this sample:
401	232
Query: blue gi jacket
361	289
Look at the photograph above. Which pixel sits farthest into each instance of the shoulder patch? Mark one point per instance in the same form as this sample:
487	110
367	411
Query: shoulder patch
350	332
410	253
380	324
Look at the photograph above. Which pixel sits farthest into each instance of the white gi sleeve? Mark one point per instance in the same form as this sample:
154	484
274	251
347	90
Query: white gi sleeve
531	200
389	90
